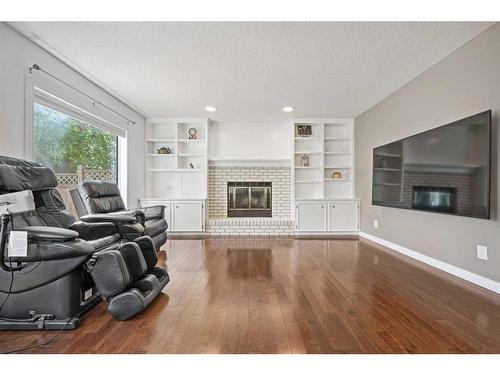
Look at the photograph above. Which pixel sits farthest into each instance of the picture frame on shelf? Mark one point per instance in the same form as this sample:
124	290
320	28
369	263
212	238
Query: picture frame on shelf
304	130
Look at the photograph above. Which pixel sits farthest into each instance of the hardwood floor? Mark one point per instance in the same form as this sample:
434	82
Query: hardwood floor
291	296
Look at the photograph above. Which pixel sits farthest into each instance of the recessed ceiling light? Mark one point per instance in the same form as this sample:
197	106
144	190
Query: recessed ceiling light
288	109
210	108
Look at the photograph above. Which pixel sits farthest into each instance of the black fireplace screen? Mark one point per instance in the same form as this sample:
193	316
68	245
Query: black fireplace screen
434	198
249	199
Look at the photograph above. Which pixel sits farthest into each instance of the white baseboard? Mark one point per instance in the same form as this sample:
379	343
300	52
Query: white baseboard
326	234
456	271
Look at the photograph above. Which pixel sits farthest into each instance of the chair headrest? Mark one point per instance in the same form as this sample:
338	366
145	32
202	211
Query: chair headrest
99	189
18	174
101	197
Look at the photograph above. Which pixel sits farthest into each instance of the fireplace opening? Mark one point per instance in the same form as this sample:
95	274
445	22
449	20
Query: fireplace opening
431	198
249	199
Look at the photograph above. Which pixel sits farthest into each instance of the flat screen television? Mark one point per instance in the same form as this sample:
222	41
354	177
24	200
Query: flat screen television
445	170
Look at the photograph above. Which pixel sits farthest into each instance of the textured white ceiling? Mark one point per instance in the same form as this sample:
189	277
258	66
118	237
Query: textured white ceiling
249	71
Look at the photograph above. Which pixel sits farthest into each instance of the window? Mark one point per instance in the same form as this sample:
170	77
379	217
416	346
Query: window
74	149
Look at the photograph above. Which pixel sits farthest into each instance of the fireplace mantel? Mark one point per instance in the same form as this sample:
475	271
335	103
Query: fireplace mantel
249	162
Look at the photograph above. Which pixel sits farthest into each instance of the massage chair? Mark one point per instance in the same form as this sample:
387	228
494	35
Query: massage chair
70	264
101	197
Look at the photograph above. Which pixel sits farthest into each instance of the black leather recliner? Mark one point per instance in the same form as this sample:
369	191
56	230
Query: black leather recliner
70	264
100	197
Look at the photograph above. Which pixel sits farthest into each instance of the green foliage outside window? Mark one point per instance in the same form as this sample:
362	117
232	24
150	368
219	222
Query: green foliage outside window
62	143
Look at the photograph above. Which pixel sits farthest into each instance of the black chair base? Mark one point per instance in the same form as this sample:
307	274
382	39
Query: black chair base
54	325
52	306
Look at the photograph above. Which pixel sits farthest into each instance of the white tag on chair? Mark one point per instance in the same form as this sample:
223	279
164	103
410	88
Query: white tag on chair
18	243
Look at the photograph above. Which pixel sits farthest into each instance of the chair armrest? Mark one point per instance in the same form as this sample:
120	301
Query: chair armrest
131	231
127	226
134	212
108	218
50	234
154	212
43	249
93	231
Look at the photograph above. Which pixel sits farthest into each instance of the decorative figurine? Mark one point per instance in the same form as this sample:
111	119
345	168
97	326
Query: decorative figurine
304	161
164	150
336	175
191	165
192	133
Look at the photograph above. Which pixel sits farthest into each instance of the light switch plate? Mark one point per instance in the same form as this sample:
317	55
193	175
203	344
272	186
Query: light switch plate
375	223
482	252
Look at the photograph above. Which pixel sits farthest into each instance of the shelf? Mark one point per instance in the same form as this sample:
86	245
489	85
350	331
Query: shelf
161	155
389	155
308	153
387	169
179	170
336	153
333	167
307	139
307	167
337	139
192	155
187	140
336	179
386	184
192	140
156	140
308	182
336	124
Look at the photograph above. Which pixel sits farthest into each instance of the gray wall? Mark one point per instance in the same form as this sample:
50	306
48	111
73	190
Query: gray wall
18	53
464	83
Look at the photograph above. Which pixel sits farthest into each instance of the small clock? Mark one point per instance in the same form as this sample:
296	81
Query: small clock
192	133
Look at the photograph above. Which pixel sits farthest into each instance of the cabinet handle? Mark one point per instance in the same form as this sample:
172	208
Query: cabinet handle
322	206
333	206
176	206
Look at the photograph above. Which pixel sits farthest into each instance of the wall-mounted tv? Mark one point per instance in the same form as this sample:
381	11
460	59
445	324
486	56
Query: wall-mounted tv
446	169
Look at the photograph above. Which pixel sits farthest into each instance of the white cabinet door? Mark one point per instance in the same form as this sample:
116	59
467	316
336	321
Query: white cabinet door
188	216
311	216
344	216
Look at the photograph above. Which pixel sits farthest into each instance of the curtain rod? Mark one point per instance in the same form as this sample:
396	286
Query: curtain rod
94	101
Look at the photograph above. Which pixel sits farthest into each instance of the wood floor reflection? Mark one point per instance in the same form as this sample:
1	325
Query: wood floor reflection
291	296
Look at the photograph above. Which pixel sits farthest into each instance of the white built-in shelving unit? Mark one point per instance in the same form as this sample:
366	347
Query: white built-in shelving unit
329	149
182	174
179	179
323	191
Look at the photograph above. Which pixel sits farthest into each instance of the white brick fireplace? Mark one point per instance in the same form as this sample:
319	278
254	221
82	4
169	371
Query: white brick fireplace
280	224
